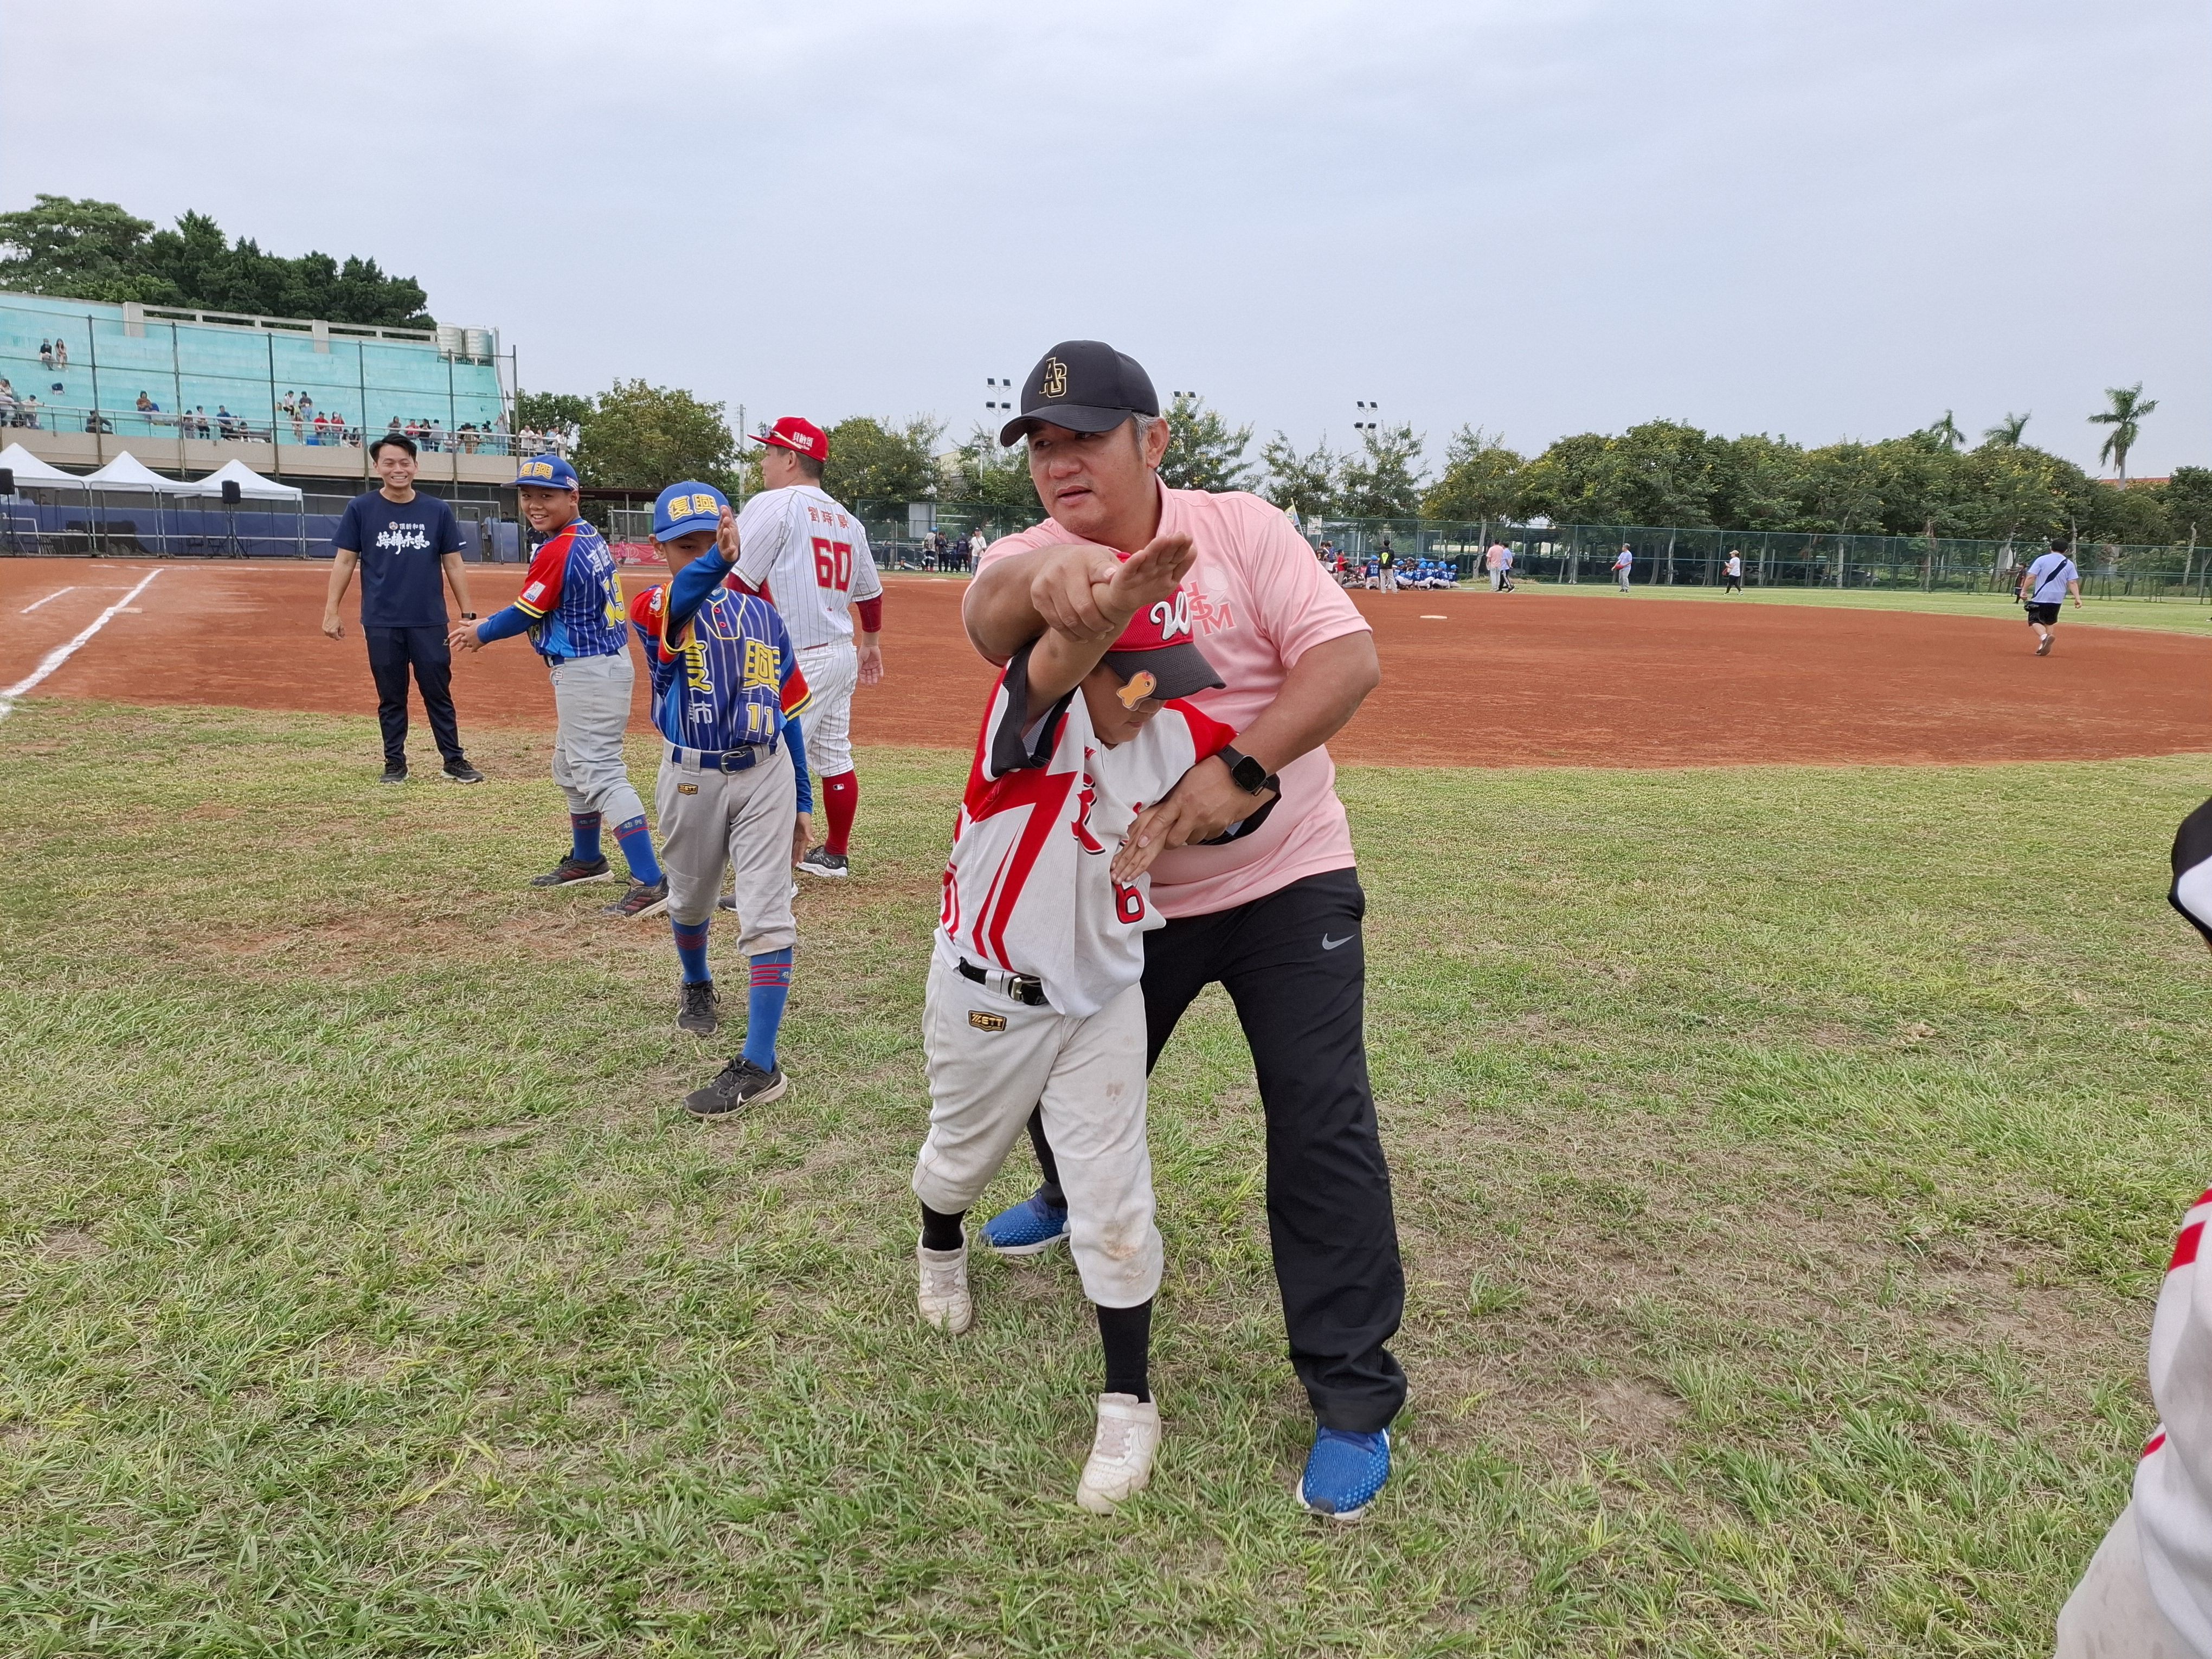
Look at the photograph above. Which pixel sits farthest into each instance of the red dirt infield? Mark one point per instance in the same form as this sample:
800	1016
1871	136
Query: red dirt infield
1502	680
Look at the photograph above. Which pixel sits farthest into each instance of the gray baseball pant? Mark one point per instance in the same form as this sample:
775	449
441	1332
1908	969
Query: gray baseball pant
591	710
741	821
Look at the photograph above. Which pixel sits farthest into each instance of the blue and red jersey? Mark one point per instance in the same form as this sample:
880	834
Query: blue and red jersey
725	672
571	596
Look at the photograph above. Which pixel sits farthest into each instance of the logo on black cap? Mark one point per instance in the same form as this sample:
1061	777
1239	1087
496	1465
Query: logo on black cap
1054	384
1114	387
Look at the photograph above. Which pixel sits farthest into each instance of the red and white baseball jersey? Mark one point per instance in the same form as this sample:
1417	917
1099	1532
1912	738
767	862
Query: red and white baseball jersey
1028	887
810	557
2173	1482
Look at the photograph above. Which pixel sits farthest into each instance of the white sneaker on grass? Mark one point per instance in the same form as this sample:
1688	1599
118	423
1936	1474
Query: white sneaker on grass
943	1297
1121	1461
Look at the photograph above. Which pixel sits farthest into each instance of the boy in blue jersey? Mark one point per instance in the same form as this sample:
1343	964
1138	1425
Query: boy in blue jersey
571	607
734	793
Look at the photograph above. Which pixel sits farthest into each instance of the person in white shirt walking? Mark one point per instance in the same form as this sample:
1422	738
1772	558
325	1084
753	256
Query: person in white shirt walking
1733	570
2043	586
809	557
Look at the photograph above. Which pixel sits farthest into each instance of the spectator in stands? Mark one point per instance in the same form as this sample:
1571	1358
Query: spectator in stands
61	352
96	421
146	404
322	433
307	408
291	408
46	354
7	402
27	414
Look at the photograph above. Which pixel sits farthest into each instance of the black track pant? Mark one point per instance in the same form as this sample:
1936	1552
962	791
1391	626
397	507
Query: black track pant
392	652
1293	963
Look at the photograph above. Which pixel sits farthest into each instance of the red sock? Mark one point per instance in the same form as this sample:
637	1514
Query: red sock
839	796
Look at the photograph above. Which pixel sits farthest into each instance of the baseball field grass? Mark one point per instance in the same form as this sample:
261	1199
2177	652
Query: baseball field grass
1784	1159
2172	615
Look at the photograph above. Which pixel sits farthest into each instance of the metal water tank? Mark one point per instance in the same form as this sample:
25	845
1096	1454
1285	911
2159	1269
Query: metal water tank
478	344
450	339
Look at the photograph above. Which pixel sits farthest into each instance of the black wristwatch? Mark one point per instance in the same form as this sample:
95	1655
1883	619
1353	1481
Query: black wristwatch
1244	772
468	615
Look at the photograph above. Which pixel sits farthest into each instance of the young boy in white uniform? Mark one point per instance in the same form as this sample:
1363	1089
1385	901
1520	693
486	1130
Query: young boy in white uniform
2148	1591
1033	997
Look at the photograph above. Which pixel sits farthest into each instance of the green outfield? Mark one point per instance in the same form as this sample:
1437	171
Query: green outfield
1785	1159
2173	615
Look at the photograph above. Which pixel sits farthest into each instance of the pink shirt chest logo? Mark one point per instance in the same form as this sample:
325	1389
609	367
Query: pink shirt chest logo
1210	616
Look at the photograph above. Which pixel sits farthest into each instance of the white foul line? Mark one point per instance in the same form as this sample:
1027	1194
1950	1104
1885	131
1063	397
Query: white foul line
61	654
49	599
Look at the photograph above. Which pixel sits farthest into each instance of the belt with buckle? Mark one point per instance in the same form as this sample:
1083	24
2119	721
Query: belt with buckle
725	760
1020	986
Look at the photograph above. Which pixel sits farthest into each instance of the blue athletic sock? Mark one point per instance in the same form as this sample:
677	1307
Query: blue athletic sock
764	1009
585	827
637	847
691	950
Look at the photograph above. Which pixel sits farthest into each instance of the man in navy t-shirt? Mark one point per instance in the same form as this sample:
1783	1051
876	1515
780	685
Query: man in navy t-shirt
405	545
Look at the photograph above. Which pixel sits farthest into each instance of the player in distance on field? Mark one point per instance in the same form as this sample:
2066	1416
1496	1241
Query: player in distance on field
733	793
571	607
810	557
2044	585
1033	997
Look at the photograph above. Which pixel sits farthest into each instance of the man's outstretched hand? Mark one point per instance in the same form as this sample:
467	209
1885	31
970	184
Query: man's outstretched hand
1148	575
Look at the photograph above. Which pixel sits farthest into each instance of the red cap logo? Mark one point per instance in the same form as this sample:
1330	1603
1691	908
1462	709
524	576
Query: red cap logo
1158	625
793	433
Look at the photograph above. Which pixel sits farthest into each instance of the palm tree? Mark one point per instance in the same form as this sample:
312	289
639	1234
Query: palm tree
1946	432
2005	435
2125	417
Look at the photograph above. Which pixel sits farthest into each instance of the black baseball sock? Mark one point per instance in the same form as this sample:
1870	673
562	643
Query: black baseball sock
1127	1335
1048	1166
940	1231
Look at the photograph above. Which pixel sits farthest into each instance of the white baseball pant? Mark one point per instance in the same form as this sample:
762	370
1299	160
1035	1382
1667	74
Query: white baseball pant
712	820
591	711
2111	1614
832	670
991	1060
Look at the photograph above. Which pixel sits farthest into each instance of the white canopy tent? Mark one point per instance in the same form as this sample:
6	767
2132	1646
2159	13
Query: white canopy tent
127	471
251	484
30	470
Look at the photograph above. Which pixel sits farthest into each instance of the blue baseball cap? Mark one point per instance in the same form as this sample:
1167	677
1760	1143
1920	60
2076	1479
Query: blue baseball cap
546	472
683	507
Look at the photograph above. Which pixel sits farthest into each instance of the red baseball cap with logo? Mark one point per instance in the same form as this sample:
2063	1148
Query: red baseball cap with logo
793	433
1158	644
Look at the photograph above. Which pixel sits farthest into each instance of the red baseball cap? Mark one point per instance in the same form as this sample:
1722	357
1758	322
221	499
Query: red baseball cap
793	433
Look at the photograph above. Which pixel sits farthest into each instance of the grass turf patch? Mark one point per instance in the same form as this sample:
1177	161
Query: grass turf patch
1784	1158
2172	615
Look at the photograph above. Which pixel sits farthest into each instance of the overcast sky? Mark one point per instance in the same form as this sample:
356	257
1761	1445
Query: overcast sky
1823	218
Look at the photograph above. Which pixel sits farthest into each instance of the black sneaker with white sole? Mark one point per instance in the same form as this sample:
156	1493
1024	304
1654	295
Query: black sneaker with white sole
459	771
700	1014
572	870
726	903
394	772
821	862
740	1083
645	898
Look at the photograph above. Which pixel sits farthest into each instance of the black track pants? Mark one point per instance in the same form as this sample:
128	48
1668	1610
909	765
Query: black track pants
392	652
1293	963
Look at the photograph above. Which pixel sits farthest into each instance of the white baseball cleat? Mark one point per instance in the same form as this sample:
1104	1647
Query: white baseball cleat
1121	1461
943	1297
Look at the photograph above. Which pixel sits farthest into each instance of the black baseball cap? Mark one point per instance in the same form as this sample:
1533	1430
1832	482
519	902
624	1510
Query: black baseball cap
1084	386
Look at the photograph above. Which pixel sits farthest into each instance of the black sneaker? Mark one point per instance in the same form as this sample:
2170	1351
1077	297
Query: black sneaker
700	1016
821	862
645	898
461	772
740	1083
726	903
573	869
394	772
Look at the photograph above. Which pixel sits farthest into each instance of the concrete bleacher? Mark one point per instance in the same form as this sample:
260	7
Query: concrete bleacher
186	360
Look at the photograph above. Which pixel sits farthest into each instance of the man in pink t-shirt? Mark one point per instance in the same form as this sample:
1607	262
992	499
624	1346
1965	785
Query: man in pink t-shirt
1253	865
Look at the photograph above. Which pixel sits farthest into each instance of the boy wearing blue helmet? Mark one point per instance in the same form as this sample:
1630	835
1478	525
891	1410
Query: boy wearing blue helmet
734	794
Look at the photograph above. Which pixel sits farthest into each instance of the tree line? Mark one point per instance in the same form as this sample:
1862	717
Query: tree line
1661	472
91	250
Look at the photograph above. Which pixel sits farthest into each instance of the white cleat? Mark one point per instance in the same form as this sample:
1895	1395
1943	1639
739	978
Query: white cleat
944	1299
1121	1461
